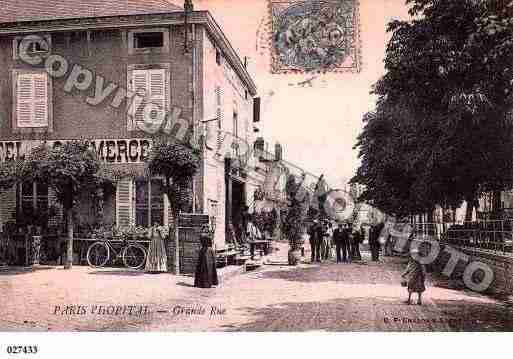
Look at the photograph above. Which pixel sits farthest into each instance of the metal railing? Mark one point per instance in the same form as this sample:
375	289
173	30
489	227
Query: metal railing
491	235
495	236
432	230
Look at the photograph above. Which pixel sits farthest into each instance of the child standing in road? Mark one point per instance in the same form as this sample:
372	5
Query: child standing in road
416	276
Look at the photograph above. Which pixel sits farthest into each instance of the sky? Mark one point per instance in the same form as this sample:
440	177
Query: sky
316	125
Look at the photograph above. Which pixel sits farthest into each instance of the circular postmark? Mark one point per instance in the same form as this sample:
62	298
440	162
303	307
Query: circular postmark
313	35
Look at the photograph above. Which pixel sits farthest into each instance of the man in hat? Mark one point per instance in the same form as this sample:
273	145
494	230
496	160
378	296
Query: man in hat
325	241
350	247
357	238
315	232
374	244
341	239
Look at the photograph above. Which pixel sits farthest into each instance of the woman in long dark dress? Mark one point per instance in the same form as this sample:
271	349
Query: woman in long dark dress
206	271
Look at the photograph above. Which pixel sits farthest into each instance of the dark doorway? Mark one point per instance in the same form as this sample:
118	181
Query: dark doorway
238	202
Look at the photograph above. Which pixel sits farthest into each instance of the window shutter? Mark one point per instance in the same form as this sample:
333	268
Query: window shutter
219	112
24	100
124	205
157	80
150	86
140	83
32	100
158	87
210	126
7	205
166	210
40	100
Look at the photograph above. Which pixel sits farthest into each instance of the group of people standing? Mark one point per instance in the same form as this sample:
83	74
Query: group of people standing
323	237
345	239
347	242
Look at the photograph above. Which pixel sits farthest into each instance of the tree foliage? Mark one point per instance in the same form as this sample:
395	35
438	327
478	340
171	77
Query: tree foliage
178	165
441	131
68	169
297	210
9	174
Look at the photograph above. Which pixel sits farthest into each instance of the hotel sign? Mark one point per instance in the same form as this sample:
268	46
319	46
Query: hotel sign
108	150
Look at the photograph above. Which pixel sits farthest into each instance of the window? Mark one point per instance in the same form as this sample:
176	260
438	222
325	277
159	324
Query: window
213	212
148	39
219	113
32	100
246	127
219	106
77	37
34	44
150	86
235	120
38	47
153	40
33	203
149	202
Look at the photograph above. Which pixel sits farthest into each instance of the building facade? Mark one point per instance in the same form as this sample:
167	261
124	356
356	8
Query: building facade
106	76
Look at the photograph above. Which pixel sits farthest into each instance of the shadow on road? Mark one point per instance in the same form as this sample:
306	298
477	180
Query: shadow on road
183	284
119	273
23	270
349	273
379	314
354	314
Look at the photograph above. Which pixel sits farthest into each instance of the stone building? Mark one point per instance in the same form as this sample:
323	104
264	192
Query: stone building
90	74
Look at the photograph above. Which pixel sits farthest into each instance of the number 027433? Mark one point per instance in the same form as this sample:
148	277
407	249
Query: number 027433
21	349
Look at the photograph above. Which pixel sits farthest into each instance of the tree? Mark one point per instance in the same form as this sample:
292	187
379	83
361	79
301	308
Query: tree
8	178
296	213
177	164
441	132
8	174
69	169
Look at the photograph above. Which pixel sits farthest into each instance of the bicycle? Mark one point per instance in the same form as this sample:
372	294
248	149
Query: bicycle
132	254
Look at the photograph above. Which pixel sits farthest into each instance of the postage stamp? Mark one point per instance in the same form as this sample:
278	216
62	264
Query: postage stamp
315	36
156	175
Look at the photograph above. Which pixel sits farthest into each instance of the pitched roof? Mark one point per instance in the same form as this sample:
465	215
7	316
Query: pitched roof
29	10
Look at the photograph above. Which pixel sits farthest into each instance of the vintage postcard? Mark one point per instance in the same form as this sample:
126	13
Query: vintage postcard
255	166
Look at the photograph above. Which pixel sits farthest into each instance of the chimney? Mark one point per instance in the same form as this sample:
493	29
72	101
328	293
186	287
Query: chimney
188	6
278	152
